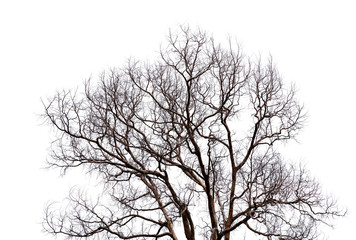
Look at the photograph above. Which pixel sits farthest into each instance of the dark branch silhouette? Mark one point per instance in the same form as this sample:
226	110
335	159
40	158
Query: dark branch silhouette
186	144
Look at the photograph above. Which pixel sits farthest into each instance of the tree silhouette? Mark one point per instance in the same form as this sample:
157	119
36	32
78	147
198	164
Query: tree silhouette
187	143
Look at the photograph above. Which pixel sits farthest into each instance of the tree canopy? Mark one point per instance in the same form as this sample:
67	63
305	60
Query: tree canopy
186	144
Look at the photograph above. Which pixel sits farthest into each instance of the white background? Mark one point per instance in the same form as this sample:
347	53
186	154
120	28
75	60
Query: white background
50	45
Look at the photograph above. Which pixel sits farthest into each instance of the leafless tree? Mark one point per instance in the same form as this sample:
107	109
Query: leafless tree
186	144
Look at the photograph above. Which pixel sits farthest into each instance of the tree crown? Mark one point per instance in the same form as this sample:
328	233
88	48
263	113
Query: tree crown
187	144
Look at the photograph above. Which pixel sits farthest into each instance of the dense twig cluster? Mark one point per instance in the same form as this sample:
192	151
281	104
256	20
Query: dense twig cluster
172	144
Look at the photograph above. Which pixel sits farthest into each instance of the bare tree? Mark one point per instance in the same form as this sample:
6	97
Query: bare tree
188	143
